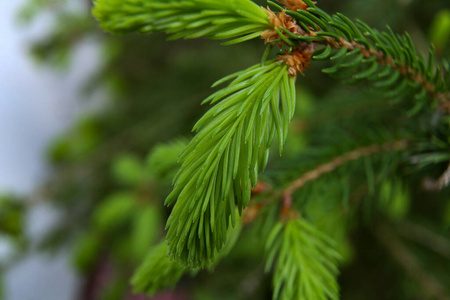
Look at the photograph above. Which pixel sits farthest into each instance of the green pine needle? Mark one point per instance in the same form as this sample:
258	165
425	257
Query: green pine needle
157	272
306	262
222	162
240	20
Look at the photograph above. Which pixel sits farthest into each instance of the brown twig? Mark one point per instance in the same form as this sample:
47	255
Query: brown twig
339	161
287	205
409	262
251	212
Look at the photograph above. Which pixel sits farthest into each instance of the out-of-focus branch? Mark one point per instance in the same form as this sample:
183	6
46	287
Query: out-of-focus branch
339	161
425	237
431	286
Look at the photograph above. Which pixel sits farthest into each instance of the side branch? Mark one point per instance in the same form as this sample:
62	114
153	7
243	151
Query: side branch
337	162
412	74
301	32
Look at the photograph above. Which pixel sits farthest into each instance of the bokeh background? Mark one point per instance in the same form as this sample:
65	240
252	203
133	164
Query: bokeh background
81	113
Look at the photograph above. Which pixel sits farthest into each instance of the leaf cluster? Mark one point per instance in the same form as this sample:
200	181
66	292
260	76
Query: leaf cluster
11	216
239	20
358	52
304	262
158	272
222	162
433	146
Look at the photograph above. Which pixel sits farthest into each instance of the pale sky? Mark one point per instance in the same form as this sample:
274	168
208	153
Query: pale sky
36	104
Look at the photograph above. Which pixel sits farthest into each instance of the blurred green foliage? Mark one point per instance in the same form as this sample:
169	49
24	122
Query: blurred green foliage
12	234
11	217
440	30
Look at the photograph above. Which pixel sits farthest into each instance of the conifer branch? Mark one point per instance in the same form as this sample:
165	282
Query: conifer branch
239	20
337	162
408	72
157	272
222	162
361	52
304	262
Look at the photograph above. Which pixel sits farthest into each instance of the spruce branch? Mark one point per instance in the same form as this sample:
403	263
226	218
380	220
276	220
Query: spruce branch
239	20
304	262
361	52
337	162
157	272
222	162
